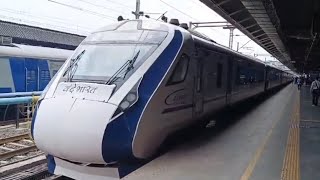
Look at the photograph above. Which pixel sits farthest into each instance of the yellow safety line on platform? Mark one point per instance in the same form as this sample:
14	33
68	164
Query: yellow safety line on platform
291	161
312	121
248	172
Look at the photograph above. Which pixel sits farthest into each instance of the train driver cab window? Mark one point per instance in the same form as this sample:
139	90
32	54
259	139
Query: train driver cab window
54	72
219	75
180	71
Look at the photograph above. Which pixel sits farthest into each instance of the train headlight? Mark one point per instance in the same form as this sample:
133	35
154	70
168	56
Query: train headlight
129	100
124	105
131	97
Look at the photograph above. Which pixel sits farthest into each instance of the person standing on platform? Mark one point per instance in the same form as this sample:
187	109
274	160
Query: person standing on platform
299	82
315	91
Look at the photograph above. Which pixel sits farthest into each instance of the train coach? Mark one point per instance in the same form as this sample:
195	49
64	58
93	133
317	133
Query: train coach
131	84
25	68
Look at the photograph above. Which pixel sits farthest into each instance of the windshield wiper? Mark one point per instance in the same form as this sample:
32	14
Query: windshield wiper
73	63
131	63
127	66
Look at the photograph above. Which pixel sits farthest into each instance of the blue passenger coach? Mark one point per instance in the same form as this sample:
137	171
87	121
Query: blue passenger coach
26	68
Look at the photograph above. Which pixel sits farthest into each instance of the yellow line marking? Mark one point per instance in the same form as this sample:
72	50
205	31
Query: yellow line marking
248	172
298	119
291	161
246	175
306	120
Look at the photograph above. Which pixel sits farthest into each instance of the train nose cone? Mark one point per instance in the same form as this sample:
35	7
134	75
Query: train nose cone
72	128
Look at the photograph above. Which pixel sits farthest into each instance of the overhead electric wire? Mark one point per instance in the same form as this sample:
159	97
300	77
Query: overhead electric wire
84	10
26	13
215	30
203	5
119	4
100	6
40	24
195	3
178	10
54	19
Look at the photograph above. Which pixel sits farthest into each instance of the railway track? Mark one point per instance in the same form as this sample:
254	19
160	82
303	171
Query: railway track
24	167
36	172
33	173
20	158
10	122
17	145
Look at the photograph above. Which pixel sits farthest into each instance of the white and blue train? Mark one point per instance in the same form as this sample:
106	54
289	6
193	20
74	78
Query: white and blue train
25	68
131	84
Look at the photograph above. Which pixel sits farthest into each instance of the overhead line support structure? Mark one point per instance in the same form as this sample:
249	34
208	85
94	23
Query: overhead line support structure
223	24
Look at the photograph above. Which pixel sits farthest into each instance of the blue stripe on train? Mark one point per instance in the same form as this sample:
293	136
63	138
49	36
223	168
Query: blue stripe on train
51	164
34	118
119	134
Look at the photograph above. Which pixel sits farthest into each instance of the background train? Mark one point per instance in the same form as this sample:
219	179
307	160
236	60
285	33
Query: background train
25	68
131	84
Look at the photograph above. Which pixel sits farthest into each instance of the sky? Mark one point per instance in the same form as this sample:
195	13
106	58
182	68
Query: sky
85	16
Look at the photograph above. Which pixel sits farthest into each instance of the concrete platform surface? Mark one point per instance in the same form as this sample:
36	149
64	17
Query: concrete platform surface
262	143
309	137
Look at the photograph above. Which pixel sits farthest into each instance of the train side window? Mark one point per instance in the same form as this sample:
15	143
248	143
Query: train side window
219	75
180	71
238	76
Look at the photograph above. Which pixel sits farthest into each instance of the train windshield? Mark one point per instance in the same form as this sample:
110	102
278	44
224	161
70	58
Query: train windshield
102	58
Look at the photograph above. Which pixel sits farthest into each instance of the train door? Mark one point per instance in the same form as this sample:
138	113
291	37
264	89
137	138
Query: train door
198	85
266	78
229	80
43	74
31	71
221	79
18	73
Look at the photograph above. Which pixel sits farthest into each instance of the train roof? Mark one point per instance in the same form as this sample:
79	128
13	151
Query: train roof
36	52
222	48
162	26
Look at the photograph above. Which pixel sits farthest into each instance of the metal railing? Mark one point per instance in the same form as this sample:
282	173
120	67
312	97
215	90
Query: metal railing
24	103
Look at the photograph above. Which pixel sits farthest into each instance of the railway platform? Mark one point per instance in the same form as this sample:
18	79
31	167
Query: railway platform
270	139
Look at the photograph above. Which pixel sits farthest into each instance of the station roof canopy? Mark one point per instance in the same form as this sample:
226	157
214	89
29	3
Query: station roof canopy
288	30
36	36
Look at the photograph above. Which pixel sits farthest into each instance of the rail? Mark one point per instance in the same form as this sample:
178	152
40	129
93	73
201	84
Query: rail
16	145
24	105
14	138
10	122
16	152
35	172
